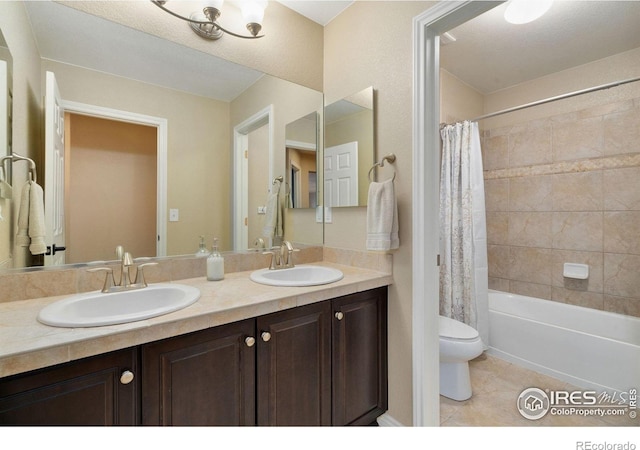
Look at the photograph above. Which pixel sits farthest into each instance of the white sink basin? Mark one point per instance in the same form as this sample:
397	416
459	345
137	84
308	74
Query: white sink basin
96	308
306	275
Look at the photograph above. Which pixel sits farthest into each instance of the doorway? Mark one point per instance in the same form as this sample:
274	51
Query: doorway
110	188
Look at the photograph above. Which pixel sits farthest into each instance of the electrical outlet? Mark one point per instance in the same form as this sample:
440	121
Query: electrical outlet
174	215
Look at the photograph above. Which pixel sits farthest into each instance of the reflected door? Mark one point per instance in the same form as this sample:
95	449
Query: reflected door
341	175
54	171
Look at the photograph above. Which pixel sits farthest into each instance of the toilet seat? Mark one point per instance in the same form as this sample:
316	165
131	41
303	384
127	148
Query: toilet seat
452	329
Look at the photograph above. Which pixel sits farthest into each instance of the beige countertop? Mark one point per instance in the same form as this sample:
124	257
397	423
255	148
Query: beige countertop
26	344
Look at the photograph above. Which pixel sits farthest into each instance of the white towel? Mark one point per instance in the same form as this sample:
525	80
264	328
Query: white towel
31	227
37	229
274	218
382	217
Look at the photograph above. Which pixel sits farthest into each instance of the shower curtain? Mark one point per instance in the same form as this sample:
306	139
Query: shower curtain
464	273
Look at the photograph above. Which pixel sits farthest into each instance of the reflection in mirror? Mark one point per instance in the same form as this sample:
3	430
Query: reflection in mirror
5	150
348	149
154	82
302	166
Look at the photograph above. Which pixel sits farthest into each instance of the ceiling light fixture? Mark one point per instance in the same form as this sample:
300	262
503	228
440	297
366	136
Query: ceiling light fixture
206	24
525	11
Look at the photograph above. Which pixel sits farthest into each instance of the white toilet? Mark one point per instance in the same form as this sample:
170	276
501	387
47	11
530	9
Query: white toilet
459	343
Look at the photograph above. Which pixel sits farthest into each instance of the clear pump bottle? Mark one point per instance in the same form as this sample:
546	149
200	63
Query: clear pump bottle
202	249
215	264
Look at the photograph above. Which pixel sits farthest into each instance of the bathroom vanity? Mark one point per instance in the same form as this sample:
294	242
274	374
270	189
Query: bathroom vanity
318	359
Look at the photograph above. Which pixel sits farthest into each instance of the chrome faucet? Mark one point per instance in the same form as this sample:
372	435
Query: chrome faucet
281	257
124	284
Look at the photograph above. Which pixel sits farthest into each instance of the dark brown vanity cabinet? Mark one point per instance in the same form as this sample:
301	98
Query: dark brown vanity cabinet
202	378
359	357
100	390
319	364
294	366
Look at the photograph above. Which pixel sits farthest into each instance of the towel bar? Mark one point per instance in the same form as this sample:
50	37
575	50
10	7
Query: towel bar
391	158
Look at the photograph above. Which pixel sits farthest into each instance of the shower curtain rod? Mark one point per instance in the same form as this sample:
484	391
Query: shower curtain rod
558	97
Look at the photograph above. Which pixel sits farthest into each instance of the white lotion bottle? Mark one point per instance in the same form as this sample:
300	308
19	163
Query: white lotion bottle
215	264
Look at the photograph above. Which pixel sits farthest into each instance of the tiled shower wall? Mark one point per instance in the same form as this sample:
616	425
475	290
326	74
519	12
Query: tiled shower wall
567	189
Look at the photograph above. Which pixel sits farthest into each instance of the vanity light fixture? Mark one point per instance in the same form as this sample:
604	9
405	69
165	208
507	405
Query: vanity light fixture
206	24
525	11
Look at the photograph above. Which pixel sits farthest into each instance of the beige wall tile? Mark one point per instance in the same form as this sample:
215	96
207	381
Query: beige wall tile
595	261
499	284
577	231
530	193
622	132
496	193
495	153
578	140
622	189
530	229
577	191
622	275
530	264
622	232
530	146
594	300
497	227
542	291
498	260
622	305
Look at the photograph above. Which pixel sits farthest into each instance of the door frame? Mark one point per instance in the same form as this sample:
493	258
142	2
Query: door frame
427	28
161	125
241	172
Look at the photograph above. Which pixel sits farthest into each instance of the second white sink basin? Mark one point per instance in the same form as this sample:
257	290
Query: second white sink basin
305	275
96	308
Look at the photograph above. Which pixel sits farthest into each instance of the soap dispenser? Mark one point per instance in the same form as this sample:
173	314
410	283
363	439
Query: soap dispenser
215	264
202	249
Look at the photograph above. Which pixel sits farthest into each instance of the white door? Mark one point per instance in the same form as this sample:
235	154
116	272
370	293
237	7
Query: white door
341	175
54	173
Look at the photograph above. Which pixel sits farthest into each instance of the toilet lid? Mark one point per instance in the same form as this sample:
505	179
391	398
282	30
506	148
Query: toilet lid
453	329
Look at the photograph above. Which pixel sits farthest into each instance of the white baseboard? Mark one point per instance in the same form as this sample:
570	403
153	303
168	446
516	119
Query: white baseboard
386	420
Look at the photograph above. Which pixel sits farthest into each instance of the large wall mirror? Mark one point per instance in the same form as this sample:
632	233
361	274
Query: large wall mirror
348	149
154	134
5	150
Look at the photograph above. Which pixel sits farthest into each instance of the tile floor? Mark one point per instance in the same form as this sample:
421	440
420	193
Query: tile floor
496	386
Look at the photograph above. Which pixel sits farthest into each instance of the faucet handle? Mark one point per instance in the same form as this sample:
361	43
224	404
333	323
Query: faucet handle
108	279
140	273
275	259
119	252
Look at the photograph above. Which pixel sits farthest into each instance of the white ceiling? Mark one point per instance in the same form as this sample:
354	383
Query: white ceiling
320	11
491	54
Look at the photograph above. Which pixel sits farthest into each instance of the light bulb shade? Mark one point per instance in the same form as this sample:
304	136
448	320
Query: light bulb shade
525	11
217	4
253	11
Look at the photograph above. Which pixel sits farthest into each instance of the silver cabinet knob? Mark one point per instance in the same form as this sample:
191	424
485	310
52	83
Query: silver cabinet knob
126	377
266	336
339	315
250	341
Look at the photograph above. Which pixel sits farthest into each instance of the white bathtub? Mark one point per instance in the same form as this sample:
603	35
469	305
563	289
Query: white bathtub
585	347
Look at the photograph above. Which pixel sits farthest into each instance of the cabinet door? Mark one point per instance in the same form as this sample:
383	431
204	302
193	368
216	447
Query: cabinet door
359	357
202	378
294	366
84	392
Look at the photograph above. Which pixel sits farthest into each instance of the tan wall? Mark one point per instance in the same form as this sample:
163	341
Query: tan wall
458	100
291	48
562	185
198	174
355	58
112	175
